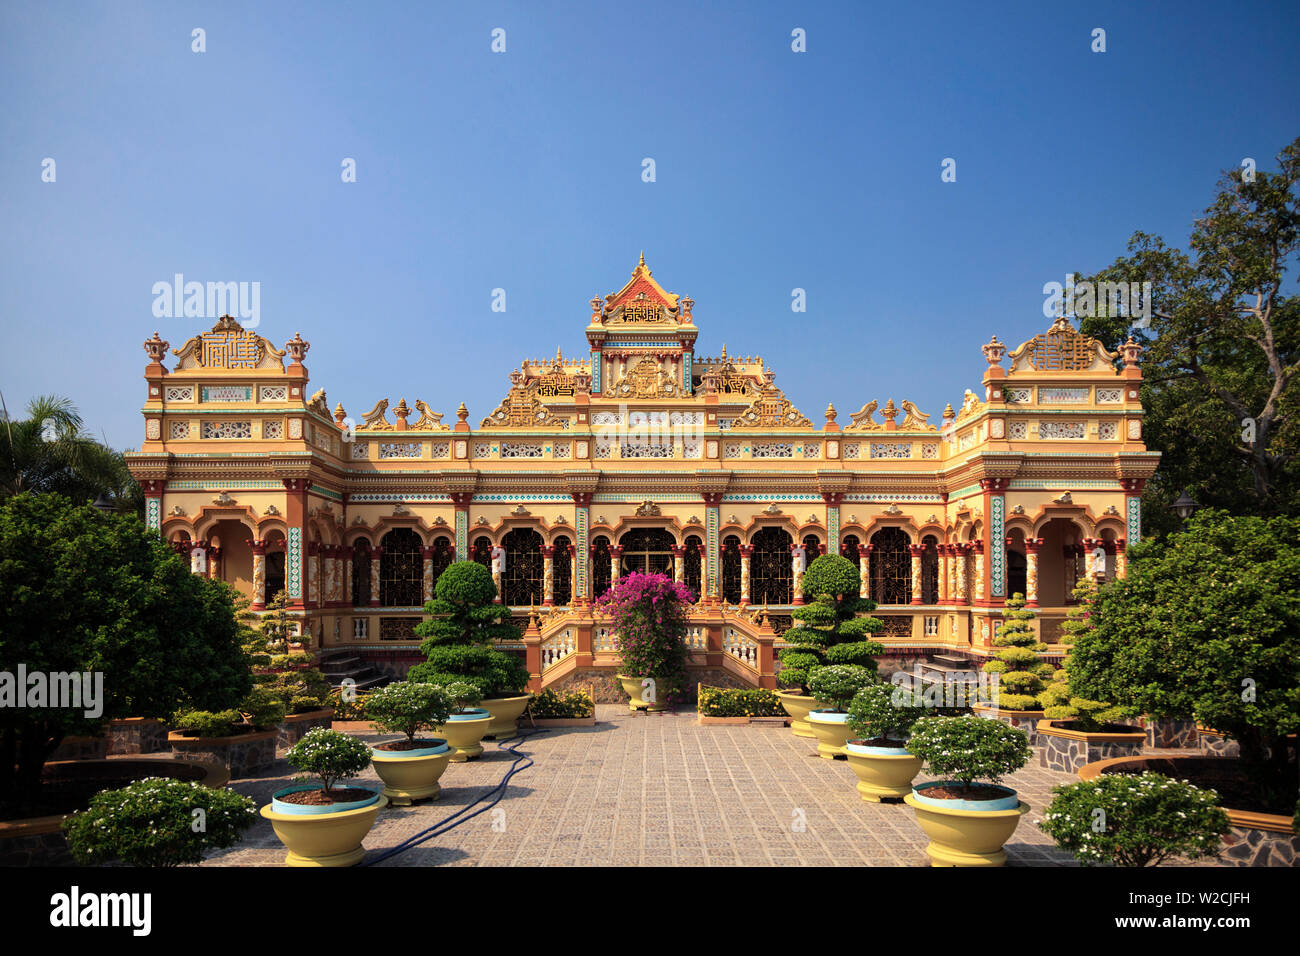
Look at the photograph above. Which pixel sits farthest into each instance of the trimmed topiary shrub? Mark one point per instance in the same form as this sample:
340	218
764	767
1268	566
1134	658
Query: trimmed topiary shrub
158	821
738	702
836	684
969	749
1135	820
573	704
1020	670
209	723
833	629
407	707
884	713
1058	700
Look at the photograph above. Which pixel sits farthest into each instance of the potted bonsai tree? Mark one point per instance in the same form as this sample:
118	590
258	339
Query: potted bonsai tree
460	644
1135	820
410	768
832	629
152	822
466	723
321	824
648	613
836	684
968	815
881	716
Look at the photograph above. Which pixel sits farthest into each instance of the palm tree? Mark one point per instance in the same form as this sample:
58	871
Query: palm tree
49	451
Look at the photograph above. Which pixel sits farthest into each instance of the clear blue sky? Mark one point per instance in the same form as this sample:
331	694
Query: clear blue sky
522	171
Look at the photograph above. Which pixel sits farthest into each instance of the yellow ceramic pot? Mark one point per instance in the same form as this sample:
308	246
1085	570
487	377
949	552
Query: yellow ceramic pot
324	839
632	687
960	836
882	771
411	774
505	712
464	731
798	707
832	732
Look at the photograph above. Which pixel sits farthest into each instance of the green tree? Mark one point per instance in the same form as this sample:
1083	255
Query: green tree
50	451
460	635
1020	670
1206	625
834	627
1223	349
87	592
1059	698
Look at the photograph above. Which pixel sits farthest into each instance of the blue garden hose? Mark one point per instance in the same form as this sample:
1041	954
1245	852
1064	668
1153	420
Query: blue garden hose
521	762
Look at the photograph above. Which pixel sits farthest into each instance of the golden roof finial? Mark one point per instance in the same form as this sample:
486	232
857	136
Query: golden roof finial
642	259
462	413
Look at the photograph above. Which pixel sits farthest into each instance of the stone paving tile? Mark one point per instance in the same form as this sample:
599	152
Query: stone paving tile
657	791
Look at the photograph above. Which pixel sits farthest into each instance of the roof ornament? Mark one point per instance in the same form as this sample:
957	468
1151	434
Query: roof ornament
993	351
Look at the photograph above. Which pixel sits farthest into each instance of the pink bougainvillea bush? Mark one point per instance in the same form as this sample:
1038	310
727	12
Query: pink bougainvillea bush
648	613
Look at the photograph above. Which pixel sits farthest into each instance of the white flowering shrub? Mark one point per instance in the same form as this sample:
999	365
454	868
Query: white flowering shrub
1135	820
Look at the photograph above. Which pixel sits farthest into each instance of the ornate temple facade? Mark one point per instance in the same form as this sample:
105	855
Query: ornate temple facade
643	455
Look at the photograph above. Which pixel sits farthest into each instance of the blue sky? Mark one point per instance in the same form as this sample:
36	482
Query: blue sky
522	170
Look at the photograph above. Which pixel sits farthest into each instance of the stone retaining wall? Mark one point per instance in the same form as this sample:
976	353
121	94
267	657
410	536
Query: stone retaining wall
243	755
137	735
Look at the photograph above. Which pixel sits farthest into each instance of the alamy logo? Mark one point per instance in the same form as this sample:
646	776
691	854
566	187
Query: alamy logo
53	690
1107	299
74	908
208	300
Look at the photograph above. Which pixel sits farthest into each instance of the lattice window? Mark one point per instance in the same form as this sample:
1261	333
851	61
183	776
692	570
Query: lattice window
178	429
482	450
605	418
321	440
361	449
562	571
851	548
1110	396
274	574
891	449
399	449
444	553
398	628
1018	429
1019	396
360	573
178	393
481	551
771	572
930	450
896	625
731	569
561	449
647	550
724	423
966	441
522	582
852	449
812	450
1061	350
891	567
224	430
773	449
1062	430
401	569
731	450
521	449
1063	396
693	565
273	393
692	448
603	448
1107	430
930	570
647	449
600	566
272	428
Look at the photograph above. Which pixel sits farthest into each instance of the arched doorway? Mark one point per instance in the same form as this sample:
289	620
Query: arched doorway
891	566
771	572
693	570
930	569
600	565
1060	562
1017	564
443	555
522	582
562	571
235	561
361	572
401	569
647	550
731	569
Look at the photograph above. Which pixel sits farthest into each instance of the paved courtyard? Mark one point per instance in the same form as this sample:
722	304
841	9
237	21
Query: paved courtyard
658	791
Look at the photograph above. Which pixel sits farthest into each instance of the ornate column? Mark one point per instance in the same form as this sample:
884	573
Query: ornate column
313	572
214	562
1121	557
978	548
746	552
153	492
461	500
295	516
582	546
615	555
917	551
1133	508
832	500
259	575
960	552
679	564
1089	561
548	576
426	574
995	506
375	555
712	503
704	572
346	598
864	570
1031	571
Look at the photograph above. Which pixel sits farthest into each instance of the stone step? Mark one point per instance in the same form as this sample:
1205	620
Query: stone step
954	659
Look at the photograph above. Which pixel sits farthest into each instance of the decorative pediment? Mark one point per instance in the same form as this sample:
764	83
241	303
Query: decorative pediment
231	347
522	409
374	421
1062	349
647	379
429	420
915	420
771	410
642	302
862	420
648	509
